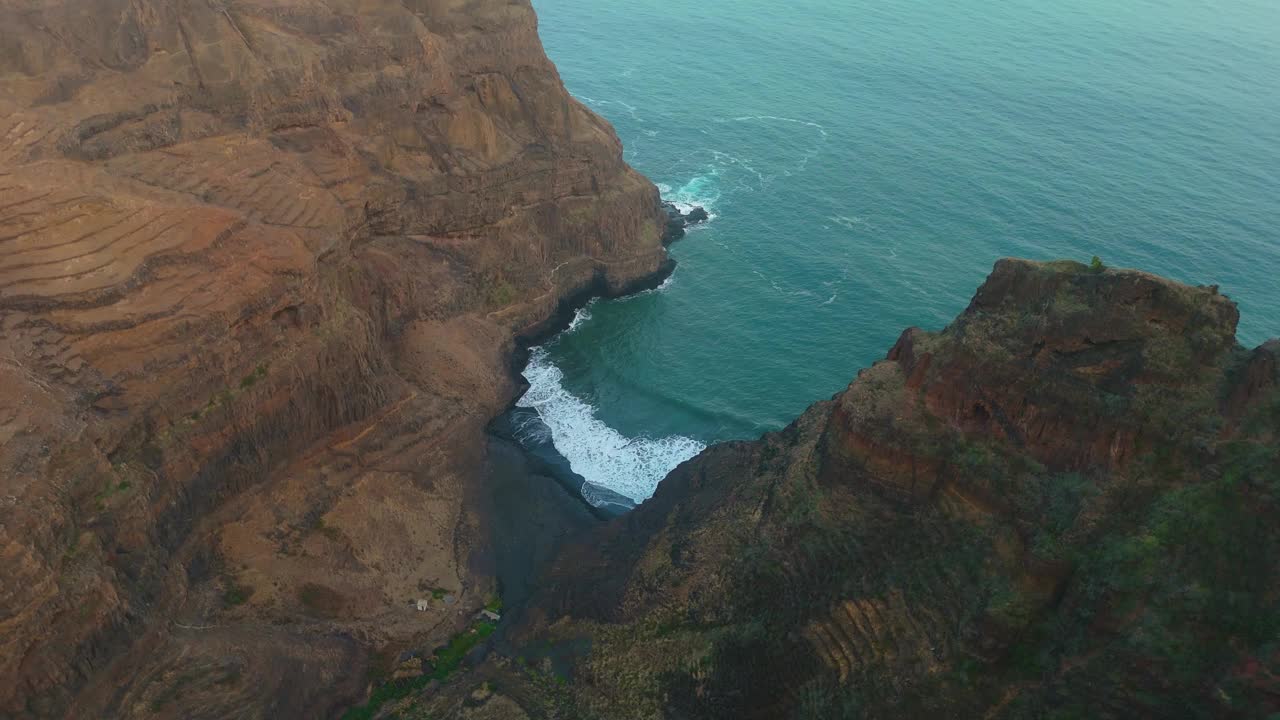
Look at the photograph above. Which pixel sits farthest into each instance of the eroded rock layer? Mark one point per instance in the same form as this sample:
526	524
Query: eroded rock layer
1064	505
261	265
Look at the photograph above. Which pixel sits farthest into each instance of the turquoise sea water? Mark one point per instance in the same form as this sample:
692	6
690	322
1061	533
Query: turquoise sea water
867	161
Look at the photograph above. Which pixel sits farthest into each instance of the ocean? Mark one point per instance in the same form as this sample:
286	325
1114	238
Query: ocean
866	162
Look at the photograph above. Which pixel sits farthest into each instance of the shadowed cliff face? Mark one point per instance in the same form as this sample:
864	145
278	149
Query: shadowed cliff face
1062	505
261	264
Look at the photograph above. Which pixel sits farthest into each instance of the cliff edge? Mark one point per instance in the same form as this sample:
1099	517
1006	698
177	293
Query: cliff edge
262	263
1061	506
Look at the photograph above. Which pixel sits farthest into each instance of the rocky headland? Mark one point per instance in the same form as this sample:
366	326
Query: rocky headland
679	221
1061	506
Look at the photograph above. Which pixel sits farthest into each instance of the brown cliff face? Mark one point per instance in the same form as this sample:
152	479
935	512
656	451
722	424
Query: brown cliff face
261	265
1063	505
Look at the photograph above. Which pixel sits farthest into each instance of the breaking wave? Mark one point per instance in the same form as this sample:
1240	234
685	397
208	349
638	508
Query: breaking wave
702	191
631	467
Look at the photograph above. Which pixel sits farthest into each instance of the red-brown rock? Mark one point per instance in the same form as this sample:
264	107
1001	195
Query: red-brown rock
261	267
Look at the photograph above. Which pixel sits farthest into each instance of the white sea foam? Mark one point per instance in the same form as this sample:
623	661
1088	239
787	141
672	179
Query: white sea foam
729	160
806	157
702	191
662	287
594	104
816	126
628	466
529	431
582	315
847	221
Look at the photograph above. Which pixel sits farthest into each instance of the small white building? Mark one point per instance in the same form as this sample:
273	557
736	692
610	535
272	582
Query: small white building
423	604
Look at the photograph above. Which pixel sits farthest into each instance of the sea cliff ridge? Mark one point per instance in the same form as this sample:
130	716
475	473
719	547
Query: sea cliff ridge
1061	505
262	269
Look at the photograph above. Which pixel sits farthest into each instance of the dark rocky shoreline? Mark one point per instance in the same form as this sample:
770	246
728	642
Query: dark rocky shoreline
543	458
678	223
535	497
240	446
962	508
524	472
523	427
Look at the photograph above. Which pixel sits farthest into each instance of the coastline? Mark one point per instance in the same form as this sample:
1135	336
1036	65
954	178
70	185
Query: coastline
545	460
533	494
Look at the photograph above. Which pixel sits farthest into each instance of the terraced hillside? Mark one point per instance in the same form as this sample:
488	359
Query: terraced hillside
261	265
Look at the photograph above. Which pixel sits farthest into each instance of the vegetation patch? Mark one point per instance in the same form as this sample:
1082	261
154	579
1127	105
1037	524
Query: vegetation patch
73	549
329	531
321	600
500	293
252	378
110	491
447	660
235	594
174	690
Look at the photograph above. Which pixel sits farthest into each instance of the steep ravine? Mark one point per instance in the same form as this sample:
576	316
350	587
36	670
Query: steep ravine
262	270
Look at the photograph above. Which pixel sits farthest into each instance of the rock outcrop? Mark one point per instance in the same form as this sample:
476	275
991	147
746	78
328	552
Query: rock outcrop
679	221
262	263
1063	505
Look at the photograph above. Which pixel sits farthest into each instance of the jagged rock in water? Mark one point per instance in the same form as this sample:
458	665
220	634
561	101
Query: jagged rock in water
679	221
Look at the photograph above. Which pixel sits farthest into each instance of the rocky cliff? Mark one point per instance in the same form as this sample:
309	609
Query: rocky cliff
1064	505
261	267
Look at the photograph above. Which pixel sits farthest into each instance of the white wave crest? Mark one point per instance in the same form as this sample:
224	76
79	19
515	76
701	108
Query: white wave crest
662	287
774	118
580	316
531	432
803	164
628	466
702	191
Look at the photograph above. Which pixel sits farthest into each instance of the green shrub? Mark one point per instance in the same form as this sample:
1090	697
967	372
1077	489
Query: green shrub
252	378
235	594
500	294
447	659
